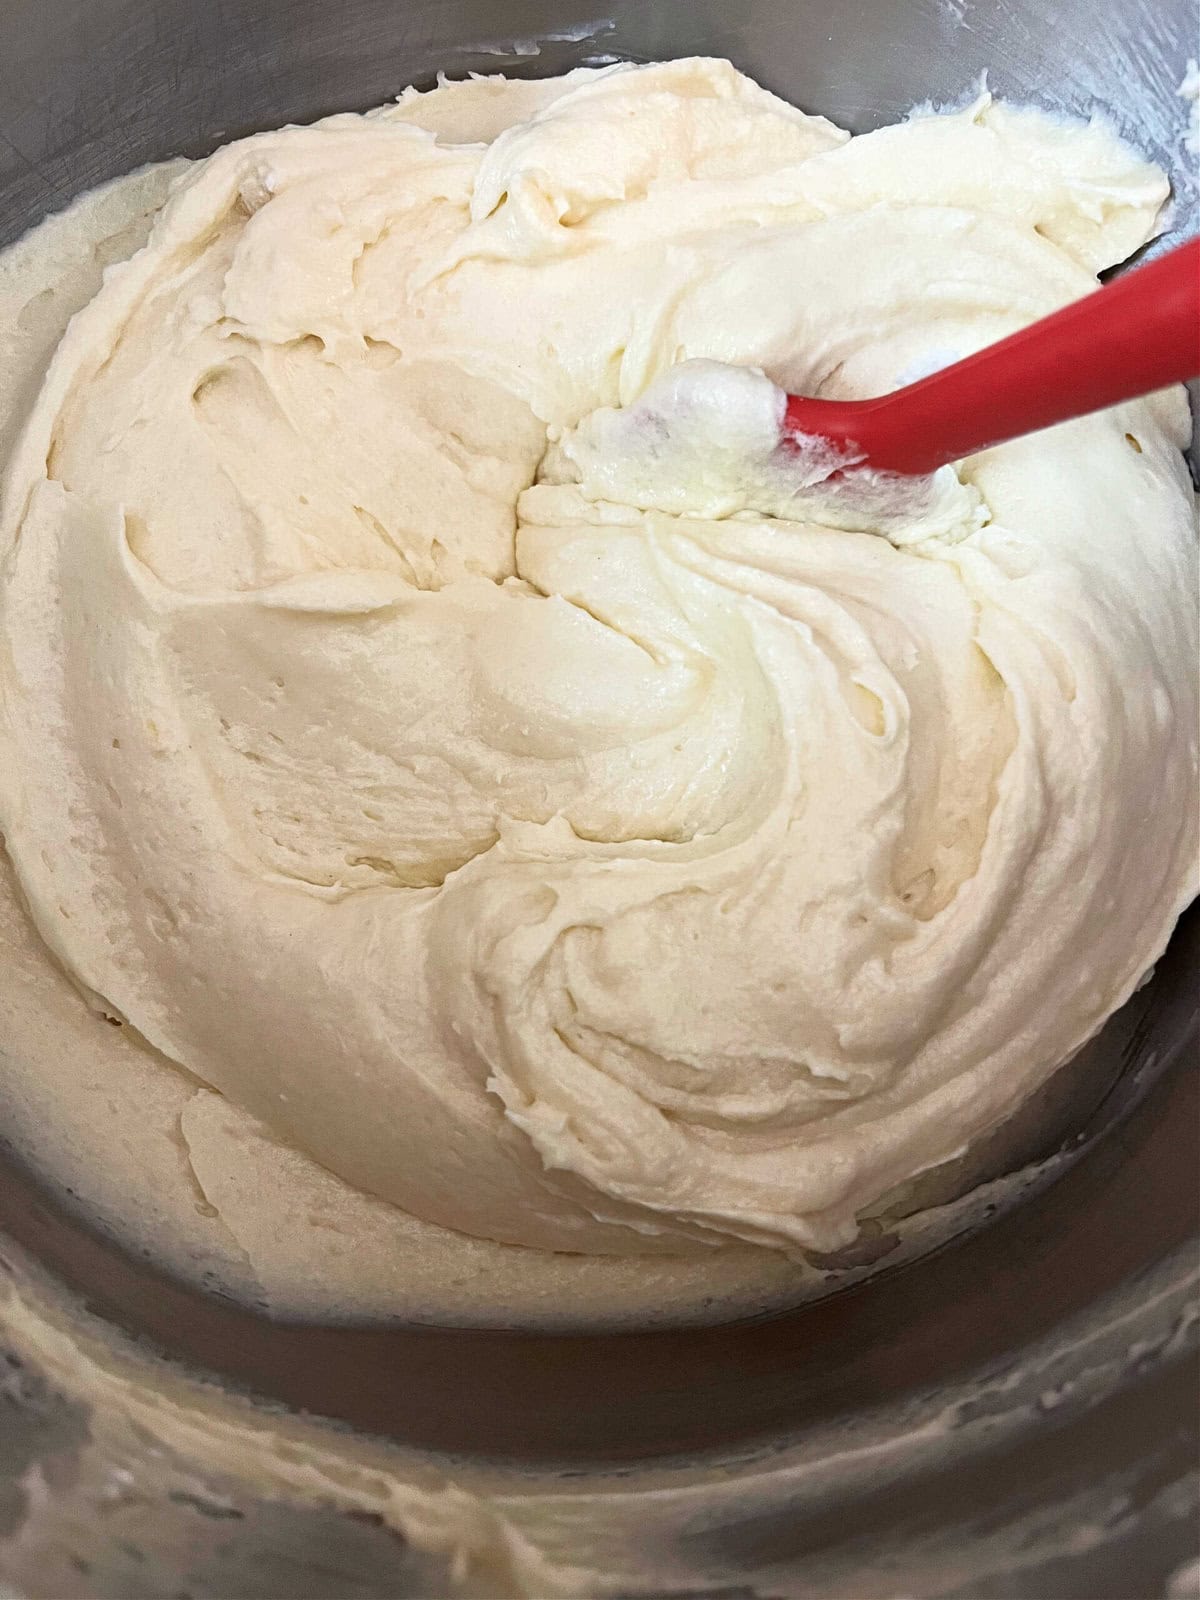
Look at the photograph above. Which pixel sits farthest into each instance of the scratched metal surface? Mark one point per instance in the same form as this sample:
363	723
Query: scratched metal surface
1060	1343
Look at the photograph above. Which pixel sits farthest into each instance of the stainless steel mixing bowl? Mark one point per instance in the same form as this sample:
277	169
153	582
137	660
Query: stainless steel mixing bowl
1048	1355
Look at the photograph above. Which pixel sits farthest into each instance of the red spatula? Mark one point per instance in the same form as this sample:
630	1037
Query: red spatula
1133	336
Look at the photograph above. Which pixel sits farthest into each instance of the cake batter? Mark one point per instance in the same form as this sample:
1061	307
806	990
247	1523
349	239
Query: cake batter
549	864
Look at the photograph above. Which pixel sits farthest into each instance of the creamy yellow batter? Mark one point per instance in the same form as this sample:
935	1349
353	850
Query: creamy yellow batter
567	873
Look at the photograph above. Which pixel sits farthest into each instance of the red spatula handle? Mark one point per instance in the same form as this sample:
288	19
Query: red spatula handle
1133	336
